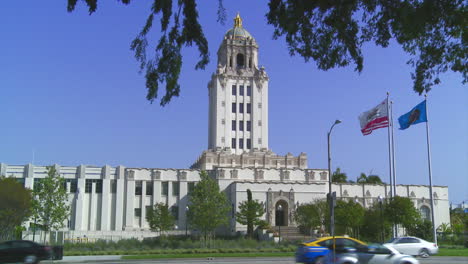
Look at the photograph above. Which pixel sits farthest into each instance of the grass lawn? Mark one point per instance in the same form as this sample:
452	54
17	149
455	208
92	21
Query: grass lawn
456	252
206	255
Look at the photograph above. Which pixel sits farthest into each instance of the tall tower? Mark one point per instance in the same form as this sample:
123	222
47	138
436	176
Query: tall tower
238	95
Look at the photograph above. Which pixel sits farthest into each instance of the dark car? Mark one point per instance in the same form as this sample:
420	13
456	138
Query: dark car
23	251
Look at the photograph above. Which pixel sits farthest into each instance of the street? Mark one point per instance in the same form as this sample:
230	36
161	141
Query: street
277	260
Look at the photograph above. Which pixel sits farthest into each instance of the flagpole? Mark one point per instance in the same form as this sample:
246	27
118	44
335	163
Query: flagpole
434	233
395	234
390	159
393	151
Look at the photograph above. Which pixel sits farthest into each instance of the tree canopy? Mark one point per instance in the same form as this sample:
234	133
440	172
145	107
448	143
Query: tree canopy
372	179
50	204
160	218
332	33
312	216
209	207
400	210
15	206
339	176
250	212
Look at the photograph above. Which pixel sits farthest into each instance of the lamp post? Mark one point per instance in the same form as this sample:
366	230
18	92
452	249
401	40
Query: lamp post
330	173
186	220
382	232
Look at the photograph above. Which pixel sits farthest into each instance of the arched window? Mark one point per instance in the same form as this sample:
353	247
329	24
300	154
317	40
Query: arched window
240	60
425	212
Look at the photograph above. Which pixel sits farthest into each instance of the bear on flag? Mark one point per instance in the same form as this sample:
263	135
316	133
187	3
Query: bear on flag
375	118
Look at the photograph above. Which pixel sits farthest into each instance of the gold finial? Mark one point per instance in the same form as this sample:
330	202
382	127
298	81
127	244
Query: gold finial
238	21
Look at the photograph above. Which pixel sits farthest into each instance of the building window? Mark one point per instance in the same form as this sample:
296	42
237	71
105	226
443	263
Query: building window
234	107
241	90
138	212
259	105
165	188
175	188
241	143
138	187
175	212
249	90
241	107
88	186
73	185
234	90
249	144
233	125
223	103
260	142
249	126
190	187
223	121
249	108
222	140
233	143
98	186
149	188
241	125
259	122
113	184
240	60
425	212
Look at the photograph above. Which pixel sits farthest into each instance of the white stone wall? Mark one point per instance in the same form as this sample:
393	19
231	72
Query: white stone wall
113	214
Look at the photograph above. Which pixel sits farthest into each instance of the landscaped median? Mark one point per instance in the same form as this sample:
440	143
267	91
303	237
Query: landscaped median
454	252
192	253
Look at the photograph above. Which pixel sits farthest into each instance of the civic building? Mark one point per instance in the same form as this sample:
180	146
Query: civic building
111	202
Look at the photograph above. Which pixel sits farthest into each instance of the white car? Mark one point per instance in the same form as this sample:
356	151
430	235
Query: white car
414	246
372	254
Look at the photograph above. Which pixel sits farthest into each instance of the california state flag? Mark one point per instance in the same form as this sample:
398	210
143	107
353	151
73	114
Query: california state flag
375	118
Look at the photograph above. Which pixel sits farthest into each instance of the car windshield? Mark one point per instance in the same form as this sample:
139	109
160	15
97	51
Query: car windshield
391	240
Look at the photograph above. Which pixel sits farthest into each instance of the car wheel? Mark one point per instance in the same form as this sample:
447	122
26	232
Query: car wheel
319	260
424	253
30	259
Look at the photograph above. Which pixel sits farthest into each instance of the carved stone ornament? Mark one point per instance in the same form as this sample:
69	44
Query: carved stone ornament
156	175
285	175
131	175
182	175
323	176
233	174
259	174
221	174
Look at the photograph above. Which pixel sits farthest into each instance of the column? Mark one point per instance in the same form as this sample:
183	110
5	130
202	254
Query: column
183	201
92	207
81	171
156	175
130	208
28	175
143	204
119	196
105	201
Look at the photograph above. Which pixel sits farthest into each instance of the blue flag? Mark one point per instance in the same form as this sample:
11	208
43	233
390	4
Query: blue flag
415	116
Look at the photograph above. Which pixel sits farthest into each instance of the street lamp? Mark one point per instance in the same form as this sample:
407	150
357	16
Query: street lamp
186	220
382	232
332	231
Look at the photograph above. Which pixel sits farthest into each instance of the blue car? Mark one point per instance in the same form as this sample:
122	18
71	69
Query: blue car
311	251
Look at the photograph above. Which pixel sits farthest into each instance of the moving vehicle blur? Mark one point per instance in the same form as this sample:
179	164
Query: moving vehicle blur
315	249
372	254
413	246
23	251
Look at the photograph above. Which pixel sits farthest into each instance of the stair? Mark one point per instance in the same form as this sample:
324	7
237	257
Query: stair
290	233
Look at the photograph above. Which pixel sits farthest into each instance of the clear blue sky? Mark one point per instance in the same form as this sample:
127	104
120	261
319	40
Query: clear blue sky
70	91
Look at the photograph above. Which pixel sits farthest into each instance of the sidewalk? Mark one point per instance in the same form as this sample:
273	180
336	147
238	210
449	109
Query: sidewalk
84	259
